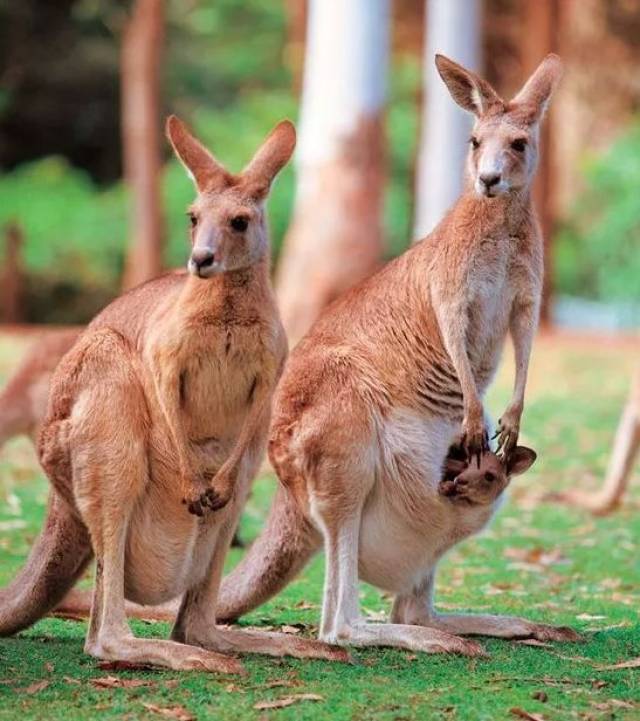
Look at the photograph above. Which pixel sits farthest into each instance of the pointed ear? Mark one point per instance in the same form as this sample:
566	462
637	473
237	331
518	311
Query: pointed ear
534	97
520	460
271	157
204	169
469	90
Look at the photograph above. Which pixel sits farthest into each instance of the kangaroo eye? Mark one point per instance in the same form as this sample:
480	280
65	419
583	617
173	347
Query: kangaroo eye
193	219
519	145
475	143
239	223
489	477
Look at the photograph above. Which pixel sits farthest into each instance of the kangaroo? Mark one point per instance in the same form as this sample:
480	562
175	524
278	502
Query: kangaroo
625	450
375	394
156	424
469	484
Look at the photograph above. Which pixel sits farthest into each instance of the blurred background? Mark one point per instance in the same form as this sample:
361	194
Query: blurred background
91	200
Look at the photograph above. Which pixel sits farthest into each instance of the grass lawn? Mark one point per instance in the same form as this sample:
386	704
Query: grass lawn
540	560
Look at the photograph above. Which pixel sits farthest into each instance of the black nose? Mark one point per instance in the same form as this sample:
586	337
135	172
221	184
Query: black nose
490	179
202	257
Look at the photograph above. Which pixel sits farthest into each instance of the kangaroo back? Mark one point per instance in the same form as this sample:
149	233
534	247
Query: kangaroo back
57	559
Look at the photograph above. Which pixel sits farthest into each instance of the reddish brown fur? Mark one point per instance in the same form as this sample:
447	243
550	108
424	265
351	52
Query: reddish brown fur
375	394
165	399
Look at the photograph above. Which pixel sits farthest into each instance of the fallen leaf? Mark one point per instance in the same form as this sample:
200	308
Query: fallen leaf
521	713
290	629
115	682
283	682
49	667
34	687
631	663
540	696
179	713
74	681
287	701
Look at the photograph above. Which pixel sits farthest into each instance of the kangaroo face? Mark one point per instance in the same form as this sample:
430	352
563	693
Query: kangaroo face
228	232
468	483
504	144
227	223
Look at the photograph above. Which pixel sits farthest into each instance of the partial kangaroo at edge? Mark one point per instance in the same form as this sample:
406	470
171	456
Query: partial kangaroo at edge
373	397
156	425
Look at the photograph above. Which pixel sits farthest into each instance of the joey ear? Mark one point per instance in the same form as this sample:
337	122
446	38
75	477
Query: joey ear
534	97
271	157
520	460
469	90
203	168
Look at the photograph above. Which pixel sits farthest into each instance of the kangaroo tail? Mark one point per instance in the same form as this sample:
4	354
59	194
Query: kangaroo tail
58	557
282	550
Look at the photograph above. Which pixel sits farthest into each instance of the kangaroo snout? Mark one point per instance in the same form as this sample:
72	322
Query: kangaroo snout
203	262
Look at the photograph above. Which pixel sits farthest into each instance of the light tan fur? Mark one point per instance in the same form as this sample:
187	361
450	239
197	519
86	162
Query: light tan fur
156	425
373	397
23	400
625	451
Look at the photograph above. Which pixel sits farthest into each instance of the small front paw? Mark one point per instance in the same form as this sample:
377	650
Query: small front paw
211	498
475	439
508	430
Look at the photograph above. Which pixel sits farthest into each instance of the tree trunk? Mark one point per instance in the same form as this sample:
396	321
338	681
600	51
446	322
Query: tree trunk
140	58
540	27
11	278
453	28
335	238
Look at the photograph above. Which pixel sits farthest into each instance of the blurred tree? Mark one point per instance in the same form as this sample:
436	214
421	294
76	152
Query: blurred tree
11	278
453	28
141	57
335	238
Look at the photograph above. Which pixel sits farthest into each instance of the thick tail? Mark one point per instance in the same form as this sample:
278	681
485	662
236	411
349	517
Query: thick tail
284	547
57	559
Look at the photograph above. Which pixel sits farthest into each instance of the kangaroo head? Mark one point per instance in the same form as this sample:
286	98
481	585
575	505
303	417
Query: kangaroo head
503	150
227	221
466	481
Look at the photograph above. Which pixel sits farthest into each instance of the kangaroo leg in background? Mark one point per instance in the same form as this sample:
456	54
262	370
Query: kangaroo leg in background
417	609
625	451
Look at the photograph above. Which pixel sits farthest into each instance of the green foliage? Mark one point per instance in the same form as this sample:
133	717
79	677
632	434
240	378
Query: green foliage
547	562
597	252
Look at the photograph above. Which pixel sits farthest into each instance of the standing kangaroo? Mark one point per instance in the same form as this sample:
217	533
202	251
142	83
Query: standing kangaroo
374	395
156	424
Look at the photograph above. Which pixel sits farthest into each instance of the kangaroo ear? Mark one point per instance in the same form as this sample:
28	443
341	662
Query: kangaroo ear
271	157
520	460
202	167
534	97
469	90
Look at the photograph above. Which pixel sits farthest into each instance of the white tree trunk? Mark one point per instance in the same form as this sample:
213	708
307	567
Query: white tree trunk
453	28
335	237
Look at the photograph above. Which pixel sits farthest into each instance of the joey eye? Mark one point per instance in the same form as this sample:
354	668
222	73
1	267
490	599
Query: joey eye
475	143
193	219
239	223
489	477
519	145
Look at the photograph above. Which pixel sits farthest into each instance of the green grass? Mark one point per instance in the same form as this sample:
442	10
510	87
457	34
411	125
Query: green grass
545	561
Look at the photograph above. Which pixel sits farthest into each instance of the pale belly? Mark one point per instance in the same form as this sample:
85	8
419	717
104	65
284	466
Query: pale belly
406	526
168	551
